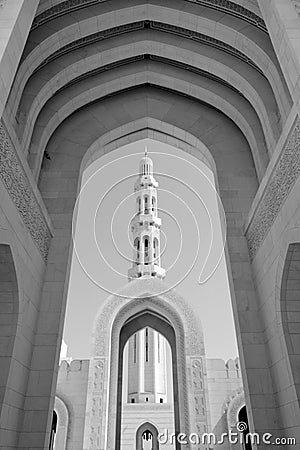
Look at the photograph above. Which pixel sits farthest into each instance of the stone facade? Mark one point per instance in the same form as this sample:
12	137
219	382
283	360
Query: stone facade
218	79
224	387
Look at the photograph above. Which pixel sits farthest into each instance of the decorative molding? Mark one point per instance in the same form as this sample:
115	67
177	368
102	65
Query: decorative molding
197	378
148	295
2	3
232	405
148	24
296	4
171	302
226	6
97	401
280	183
16	183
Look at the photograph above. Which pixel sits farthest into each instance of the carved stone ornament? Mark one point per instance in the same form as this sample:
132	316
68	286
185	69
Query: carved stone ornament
17	185
277	190
296	3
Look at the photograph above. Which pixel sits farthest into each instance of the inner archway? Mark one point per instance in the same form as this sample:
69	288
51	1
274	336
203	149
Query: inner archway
243	419
147	320
147	432
9	300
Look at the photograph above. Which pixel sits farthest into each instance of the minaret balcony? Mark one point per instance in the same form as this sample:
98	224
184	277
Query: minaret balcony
146	270
141	218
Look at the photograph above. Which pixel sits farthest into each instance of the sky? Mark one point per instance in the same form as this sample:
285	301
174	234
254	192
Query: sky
191	242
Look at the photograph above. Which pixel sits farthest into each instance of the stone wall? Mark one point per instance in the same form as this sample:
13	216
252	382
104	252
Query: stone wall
72	390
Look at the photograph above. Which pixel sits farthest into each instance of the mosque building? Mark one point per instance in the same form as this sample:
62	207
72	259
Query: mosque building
147	376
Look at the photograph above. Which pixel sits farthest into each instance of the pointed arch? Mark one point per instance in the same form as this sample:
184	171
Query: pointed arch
147	427
147	302
9	314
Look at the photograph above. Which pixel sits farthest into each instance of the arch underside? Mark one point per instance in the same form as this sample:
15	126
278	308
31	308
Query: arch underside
218	56
9	316
289	305
148	318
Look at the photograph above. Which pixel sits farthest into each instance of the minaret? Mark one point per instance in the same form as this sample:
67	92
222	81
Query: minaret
145	225
147	375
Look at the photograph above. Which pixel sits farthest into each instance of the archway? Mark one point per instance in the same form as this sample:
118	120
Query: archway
243	418
53	430
61	432
151	433
128	310
142	127
148	319
289	302
9	301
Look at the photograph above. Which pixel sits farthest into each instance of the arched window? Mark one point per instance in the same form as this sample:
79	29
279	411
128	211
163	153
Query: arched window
146	346
139	202
147	437
134	349
155	249
153	204
53	430
146	249
243	417
137	247
146	200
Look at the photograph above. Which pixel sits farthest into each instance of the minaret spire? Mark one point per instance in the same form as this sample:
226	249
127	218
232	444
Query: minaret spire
145	225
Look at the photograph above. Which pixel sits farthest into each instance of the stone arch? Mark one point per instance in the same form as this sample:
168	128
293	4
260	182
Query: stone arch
257	99
246	120
147	426
147	297
63	424
226	34
9	314
240	166
232	405
287	295
150	128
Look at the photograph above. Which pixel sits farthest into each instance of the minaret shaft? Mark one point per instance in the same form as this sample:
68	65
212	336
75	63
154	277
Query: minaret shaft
147	376
145	225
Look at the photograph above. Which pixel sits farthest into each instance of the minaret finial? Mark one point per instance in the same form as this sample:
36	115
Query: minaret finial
146	150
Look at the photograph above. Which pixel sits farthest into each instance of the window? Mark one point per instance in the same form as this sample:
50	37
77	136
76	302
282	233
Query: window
146	204
132	400
146	345
161	400
134	348
53	430
158	347
147	399
146	244
153	204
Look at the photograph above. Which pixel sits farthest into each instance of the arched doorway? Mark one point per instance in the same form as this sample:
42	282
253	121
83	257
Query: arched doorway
53	430
148	319
243	418
119	318
147	435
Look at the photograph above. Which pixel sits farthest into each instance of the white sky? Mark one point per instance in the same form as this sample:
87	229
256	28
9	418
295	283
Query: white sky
102	242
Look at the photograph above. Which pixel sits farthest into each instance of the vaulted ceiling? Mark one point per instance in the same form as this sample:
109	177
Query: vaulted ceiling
216	52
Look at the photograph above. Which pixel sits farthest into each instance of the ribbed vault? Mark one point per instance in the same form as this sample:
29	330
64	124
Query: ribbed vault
215	52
